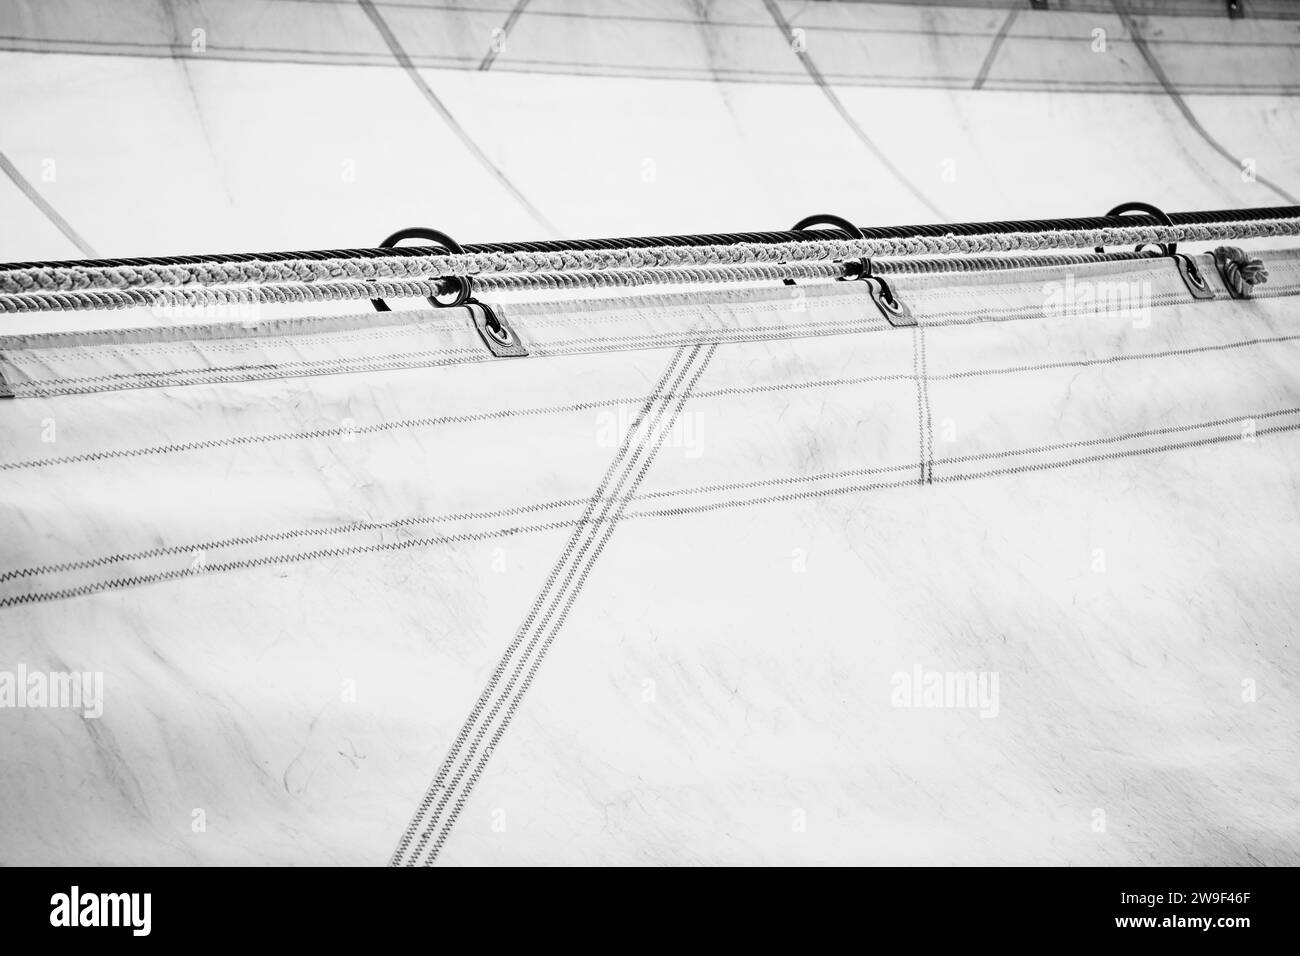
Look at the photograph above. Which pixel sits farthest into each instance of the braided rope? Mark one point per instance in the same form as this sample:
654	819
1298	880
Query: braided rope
312	271
281	293
85	299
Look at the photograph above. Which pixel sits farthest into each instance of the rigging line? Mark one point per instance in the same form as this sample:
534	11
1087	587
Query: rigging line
21	289
499	44
996	46
43	205
1072	224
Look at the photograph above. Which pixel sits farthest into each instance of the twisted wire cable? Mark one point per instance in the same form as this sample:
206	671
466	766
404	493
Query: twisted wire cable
1203	217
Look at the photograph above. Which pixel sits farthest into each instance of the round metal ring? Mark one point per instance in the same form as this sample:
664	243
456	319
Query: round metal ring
464	286
887	298
826	219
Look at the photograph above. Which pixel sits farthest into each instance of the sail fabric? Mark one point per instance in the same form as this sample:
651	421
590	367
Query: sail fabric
709	576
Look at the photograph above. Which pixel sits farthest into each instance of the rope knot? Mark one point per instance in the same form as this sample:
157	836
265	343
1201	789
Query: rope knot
1241	272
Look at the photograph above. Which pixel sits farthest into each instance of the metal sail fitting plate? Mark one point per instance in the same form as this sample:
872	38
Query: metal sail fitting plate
1193	277
894	310
496	333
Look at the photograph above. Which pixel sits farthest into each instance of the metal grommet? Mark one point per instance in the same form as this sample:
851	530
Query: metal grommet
501	340
894	310
464	286
1166	249
1192	277
887	297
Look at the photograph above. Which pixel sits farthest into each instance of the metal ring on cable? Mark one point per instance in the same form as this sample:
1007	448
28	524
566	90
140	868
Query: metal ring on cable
825	219
464	287
855	268
1166	249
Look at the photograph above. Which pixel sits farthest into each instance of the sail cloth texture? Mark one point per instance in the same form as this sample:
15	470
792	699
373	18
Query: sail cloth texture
642	117
720	576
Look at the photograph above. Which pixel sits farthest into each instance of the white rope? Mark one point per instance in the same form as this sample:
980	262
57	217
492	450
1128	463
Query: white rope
277	293
88	299
312	271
